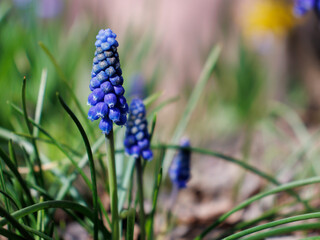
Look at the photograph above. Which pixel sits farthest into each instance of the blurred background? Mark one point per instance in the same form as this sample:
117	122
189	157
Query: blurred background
262	103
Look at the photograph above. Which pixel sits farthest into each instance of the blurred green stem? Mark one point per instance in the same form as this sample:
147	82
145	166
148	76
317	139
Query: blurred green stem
141	198
112	184
245	156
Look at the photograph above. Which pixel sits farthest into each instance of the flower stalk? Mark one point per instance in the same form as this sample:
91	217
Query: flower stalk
112	184
141	198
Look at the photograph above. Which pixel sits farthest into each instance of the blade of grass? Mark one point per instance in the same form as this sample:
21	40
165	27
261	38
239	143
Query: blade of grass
39	105
10	198
66	82
10	219
259	196
39	220
163	104
154	204
15	172
4	188
151	99
196	94
39	234
87	212
91	164
273	224
39	175
240	163
127	178
130	223
59	146
283	230
10	235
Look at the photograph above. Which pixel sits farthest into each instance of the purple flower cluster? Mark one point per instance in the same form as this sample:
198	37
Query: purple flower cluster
179	171
107	100
301	7
137	140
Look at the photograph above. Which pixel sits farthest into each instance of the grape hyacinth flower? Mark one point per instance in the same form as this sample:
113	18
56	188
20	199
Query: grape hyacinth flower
301	7
137	140
107	100
179	171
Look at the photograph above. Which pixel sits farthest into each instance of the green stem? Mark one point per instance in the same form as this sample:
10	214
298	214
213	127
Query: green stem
273	224
141	198
283	230
112	184
39	179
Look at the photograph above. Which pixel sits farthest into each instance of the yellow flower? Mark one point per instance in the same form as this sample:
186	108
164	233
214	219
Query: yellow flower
268	16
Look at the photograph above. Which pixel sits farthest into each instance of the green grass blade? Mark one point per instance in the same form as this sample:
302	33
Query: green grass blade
60	147
198	89
151	99
65	188
39	234
4	188
10	198
10	235
125	182
66	82
154	204
259	196
65	205
39	176
273	224
87	212
240	163
130	223
39	105
15	172
163	104
153	126
12	153
284	230
10	219
91	164
40	220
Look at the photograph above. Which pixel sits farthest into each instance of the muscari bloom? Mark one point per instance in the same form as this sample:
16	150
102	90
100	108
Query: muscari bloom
301	7
179	171
107	100
137	140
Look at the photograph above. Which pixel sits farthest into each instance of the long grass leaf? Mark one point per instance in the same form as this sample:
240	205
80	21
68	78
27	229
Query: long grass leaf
59	146
14	170
162	105
39	176
39	106
10	219
151	99
64	79
240	163
281	188
273	224
10	235
91	164
87	212
284	230
130	223
196	94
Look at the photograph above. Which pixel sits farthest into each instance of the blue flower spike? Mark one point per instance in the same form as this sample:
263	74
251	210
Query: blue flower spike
301	7
106	100
179	171
137	140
